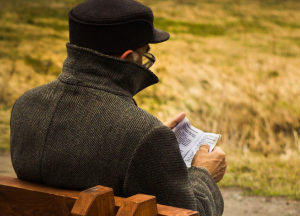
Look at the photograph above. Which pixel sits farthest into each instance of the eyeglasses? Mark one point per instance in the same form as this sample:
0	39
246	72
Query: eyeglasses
147	60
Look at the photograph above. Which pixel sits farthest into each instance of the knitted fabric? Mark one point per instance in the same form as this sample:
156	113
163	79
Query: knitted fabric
85	129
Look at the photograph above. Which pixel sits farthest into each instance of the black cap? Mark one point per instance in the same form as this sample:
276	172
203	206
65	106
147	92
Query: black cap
113	26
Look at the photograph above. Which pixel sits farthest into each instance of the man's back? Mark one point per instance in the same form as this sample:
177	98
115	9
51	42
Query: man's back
63	133
84	129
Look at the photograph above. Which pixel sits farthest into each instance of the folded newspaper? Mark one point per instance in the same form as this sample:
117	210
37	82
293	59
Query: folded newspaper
190	139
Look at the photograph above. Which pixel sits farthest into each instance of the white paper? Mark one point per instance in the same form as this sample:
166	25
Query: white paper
190	139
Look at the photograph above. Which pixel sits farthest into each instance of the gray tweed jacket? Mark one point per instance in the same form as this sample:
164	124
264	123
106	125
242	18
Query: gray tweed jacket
85	129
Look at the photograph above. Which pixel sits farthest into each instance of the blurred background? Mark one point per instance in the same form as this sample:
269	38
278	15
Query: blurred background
232	65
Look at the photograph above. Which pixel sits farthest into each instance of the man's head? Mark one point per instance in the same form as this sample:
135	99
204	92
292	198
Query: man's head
122	28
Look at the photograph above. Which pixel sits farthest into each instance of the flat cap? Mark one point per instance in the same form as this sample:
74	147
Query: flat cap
113	26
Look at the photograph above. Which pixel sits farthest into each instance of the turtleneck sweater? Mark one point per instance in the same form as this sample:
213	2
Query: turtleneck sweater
84	129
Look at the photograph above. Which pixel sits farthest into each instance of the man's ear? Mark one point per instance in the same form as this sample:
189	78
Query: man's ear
125	54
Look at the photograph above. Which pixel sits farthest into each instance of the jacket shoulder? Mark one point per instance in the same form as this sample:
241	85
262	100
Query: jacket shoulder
29	122
146	118
121	112
43	92
137	122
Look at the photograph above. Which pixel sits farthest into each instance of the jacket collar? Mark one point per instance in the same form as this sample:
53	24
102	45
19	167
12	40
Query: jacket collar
90	68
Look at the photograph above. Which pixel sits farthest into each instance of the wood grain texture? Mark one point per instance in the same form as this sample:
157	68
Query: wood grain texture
138	205
16	201
169	210
98	200
162	210
22	198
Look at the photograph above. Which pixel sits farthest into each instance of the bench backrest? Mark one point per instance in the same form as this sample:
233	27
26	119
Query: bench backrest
18	197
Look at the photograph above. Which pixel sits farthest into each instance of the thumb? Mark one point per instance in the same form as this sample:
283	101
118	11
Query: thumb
204	149
175	120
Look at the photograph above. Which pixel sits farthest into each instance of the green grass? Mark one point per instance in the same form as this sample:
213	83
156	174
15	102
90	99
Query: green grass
280	21
27	11
205	30
189	28
54	25
260	175
42	66
9	34
4	128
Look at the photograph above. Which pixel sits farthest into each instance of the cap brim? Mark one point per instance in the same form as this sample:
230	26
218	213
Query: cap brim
159	36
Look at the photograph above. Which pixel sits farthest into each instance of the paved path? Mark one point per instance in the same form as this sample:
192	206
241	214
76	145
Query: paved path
235	203
238	205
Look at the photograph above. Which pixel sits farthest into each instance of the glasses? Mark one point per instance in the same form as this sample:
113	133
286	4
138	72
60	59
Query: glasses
147	60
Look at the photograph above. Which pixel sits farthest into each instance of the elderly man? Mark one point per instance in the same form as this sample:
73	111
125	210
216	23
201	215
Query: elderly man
85	129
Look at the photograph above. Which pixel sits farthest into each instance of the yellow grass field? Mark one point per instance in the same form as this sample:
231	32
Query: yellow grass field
232	65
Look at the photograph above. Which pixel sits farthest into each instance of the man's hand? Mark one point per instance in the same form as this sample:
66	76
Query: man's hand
175	120
215	161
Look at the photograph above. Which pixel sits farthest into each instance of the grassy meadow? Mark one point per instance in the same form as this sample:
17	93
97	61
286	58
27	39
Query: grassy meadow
232	65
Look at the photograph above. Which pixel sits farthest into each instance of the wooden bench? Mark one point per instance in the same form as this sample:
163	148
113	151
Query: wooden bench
22	198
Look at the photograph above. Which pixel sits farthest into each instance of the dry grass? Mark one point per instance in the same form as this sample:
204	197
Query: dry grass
233	66
242	84
257	175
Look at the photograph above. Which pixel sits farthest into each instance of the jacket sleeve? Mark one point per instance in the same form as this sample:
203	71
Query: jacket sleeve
157	168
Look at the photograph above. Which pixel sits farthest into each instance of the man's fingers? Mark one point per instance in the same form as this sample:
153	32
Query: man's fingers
175	120
219	153
204	149
218	150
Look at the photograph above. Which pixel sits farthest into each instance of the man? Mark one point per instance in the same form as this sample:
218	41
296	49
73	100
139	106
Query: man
85	129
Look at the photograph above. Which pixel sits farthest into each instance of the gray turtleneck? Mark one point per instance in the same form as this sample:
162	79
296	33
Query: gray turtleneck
85	129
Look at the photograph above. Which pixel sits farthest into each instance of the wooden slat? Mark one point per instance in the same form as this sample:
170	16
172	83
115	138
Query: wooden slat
25	199
17	183
98	200
169	210
13	194
139	205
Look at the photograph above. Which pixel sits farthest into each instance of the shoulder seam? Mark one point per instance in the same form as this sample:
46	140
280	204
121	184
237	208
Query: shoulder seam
47	133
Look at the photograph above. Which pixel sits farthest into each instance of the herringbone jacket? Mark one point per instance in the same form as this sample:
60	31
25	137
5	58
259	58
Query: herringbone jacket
85	129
